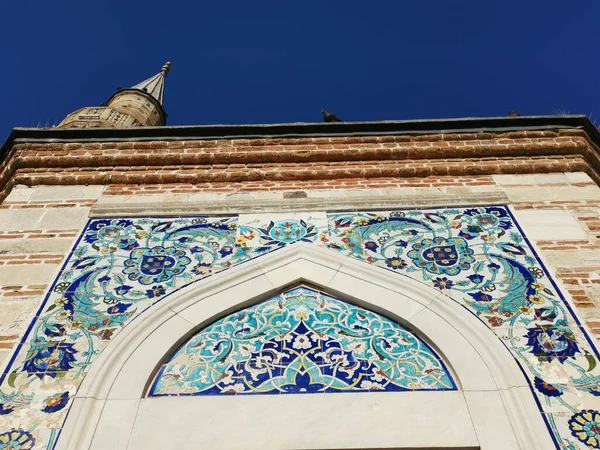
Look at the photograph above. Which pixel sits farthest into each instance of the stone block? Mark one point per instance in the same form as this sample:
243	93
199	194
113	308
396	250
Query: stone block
532	179
4	354
158	198
41	193
15	313
540	224
113	199
319	421
542	194
141	363
20	219
567	258
50	245
64	219
205	197
266	195
487	412
27	274
19	193
115	426
579	177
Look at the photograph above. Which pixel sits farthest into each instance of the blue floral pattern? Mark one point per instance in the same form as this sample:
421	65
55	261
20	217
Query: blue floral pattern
442	256
548	342
49	358
155	265
480	257
585	426
477	256
302	341
16	440
55	402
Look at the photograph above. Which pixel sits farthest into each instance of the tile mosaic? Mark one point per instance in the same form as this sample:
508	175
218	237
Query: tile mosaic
266	232
482	254
305	341
576	428
20	439
121	267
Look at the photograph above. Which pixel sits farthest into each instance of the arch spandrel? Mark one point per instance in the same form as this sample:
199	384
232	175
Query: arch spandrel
302	341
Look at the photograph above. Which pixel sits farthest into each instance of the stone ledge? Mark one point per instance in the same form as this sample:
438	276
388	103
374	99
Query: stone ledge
366	201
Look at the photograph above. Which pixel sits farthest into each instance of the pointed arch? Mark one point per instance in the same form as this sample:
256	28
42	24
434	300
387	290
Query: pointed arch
492	387
302	340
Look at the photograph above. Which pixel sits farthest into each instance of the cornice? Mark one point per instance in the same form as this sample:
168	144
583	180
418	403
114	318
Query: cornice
306	153
288	130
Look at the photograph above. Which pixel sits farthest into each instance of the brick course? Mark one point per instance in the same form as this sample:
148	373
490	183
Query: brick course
370	160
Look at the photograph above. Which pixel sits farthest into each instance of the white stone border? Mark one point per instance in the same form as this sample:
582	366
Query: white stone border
296	201
502	408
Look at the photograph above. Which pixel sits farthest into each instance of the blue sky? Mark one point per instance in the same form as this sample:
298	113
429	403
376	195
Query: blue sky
269	62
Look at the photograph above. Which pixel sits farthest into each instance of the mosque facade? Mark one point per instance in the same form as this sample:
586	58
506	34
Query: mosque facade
351	285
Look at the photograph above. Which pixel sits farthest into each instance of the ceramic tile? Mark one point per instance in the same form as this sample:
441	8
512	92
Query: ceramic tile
121	267
265	232
576	428
37	438
304	341
481	255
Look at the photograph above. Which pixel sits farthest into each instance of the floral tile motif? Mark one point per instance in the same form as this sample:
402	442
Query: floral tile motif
121	267
266	232
585	427
480	257
17	439
118	269
302	341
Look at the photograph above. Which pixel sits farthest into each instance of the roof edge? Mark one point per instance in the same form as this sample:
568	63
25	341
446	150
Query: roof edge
430	126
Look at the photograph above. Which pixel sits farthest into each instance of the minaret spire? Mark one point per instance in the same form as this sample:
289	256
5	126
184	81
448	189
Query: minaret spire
155	86
138	106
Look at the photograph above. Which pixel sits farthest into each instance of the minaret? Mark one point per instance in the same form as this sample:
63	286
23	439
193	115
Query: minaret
138	106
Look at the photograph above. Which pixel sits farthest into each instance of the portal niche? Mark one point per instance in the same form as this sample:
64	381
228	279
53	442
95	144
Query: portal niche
302	341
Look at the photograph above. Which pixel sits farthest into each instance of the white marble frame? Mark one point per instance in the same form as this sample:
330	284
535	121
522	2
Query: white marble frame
501	412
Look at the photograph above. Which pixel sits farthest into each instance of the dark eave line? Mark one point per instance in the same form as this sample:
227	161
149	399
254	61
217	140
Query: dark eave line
290	130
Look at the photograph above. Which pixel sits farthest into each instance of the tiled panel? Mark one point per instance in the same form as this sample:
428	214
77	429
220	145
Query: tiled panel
121	267
302	341
118	269
481	257
265	232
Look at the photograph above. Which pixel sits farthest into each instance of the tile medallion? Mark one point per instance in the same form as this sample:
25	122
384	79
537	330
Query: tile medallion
302	341
121	267
263	233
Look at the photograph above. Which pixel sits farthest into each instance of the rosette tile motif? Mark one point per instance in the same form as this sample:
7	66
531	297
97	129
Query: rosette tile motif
302	341
479	257
16	440
585	426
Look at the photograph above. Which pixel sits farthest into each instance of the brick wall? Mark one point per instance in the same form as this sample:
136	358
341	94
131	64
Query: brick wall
298	162
548	176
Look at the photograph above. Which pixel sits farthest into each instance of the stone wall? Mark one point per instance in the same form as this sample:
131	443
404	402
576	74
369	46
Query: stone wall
38	227
560	213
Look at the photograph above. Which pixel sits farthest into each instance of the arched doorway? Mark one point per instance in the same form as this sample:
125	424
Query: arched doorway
492	408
